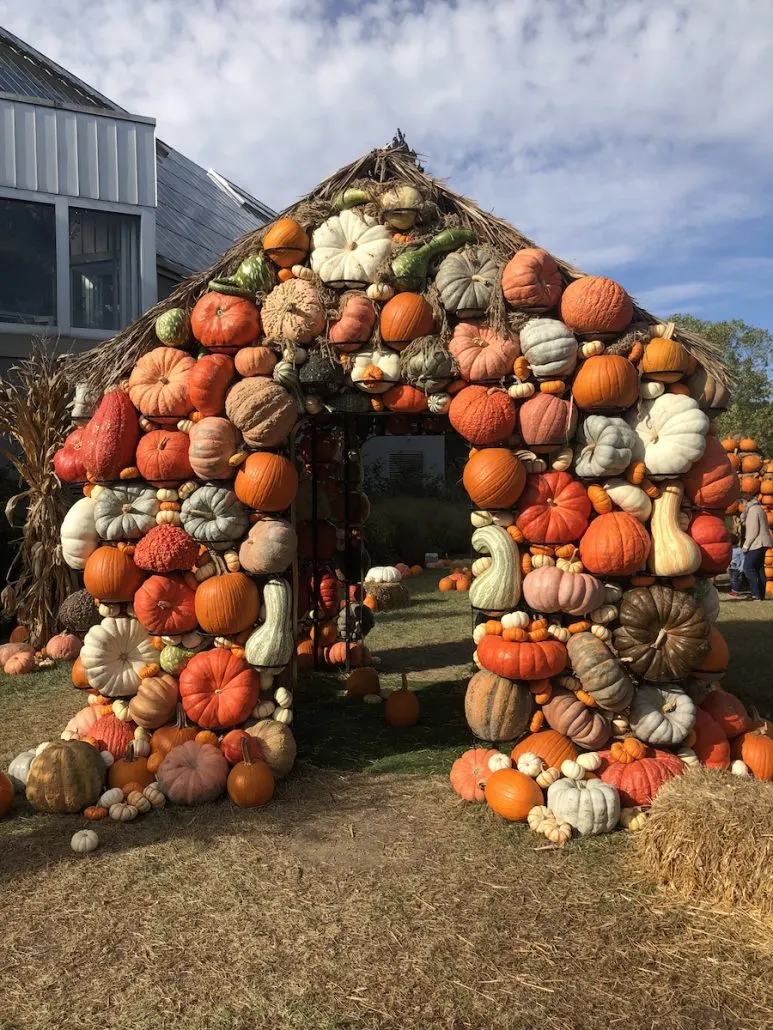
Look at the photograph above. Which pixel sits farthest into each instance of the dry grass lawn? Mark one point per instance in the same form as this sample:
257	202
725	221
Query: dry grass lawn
366	896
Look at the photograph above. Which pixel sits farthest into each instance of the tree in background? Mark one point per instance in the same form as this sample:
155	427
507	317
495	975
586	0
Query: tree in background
748	352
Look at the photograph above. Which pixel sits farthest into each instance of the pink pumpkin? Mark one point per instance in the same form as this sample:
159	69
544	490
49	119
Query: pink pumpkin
193	773
64	647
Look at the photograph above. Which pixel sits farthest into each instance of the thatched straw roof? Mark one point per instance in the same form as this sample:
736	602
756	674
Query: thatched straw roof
395	163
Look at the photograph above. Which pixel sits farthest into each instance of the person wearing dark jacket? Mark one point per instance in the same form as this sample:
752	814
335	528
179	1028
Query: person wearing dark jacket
757	538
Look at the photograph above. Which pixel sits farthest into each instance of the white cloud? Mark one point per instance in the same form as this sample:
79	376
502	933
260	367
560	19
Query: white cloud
616	132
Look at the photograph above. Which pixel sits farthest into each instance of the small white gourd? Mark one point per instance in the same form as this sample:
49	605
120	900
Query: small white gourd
589	760
114	796
606	613
499	761
563	460
283	715
108	758
156	798
560	633
739	768
480	565
515	620
263	710
530	764
688	756
123	813
479	633
283	697
601	632
537	816
633	819
547	777
138	801
572	770
84	841
120	708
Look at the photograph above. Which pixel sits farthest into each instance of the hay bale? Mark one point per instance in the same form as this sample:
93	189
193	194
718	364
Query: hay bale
387	595
710	838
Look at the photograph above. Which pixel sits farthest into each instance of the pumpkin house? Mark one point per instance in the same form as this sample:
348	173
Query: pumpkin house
217	444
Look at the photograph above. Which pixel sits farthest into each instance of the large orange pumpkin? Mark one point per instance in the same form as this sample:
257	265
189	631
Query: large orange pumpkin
512	794
227	604
111	575
728	712
494	478
267	482
710	482
218	690
165	605
482	415
553	509
470	773
664	360
606	382
208	381
404	318
711	744
615	544
528	660
755	748
594	304
404	398
531	281
225	323
162	457
716	661
158	385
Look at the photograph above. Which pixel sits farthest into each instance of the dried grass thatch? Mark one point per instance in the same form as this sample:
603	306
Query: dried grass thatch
709	838
33	420
113	360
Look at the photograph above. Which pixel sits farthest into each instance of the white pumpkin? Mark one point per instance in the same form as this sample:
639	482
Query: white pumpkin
347	250
590	760
672	434
19	769
499	761
492	518
439	403
549	346
649	390
383	574
629	498
465	280
375	371
530	764
113	796
213	515
739	768
660	717
79	534
84	841
125	512
589	806
605	447
113	654
688	757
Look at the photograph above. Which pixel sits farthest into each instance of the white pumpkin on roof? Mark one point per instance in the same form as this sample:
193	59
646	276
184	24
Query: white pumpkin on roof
347	250
375	371
672	434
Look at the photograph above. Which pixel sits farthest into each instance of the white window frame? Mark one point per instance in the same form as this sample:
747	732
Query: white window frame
62	205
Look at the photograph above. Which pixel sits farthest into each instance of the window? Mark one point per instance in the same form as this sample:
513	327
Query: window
104	269
406	468
166	284
27	263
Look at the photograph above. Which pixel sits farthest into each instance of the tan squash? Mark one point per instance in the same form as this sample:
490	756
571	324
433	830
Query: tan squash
673	553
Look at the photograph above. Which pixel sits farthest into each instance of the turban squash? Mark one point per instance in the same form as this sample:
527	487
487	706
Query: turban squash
553	509
663	635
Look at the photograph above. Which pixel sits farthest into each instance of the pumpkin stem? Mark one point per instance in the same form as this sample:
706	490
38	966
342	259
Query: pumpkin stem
659	640
404	680
246	753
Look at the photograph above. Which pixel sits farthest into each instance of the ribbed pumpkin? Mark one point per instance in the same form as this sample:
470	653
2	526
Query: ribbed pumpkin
615	544
111	575
165	605
639	781
711	482
553	509
158	385
65	777
155	701
711	744
218	690
594	304
267	482
225	323
404	318
482	415
192	774
494	478
208	382
470	772
227	604
664	361
116	734
254	361
110	439
546	422
212	442
713	539
522	661
531	281
262	410
483	356
605	383
549	745
162	457
586	727
497	709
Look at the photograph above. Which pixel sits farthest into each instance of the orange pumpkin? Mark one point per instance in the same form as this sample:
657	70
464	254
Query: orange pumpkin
482	415
362	682
401	708
755	749
162	457
78	675
446	584
6	794
254	361
470	772
664	360
751	463
606	383
512	794
549	745
716	661
227	604
531	281
728	712
158	385
286	243
404	318
481	353
594	304
225	323
615	544
747	443
111	575
355	323
208	382
405	398
494	478
267	482
131	769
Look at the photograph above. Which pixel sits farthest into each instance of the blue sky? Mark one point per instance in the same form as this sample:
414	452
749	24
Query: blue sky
632	138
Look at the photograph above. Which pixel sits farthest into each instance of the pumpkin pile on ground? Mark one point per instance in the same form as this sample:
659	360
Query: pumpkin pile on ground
755	476
597	482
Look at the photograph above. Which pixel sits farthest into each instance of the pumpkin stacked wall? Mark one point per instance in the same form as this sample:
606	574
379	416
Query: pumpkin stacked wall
597	483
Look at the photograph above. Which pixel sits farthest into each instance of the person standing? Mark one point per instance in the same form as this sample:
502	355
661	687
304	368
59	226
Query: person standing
735	571
757	538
